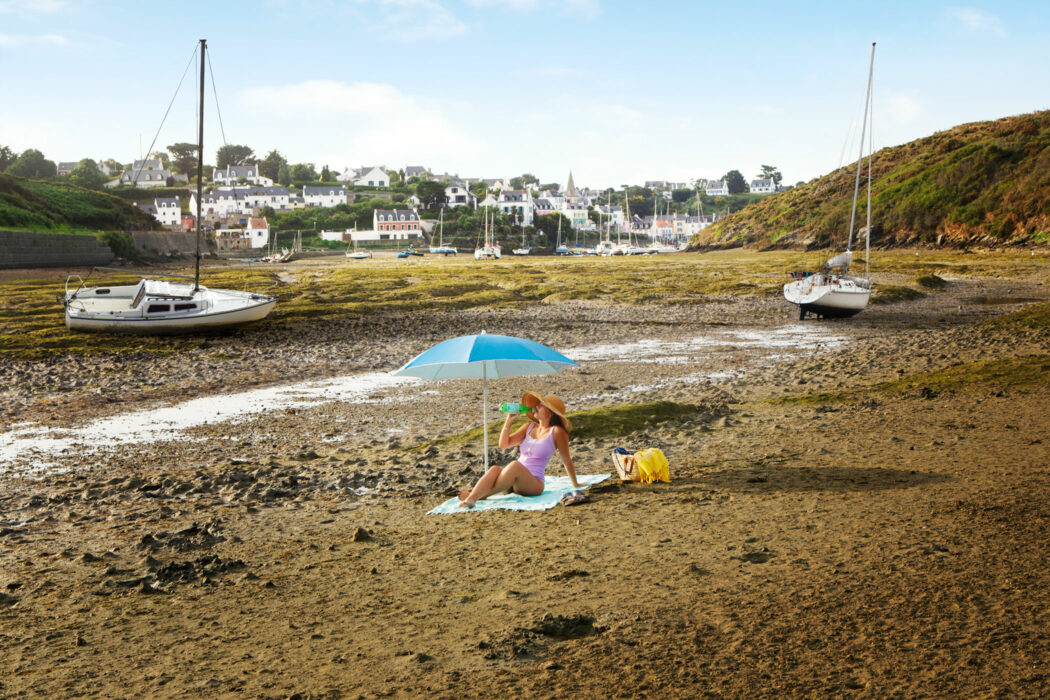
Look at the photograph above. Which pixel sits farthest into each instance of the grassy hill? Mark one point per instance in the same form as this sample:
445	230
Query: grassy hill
54	207
986	183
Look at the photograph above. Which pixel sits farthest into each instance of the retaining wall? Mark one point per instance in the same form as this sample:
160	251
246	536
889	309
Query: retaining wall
19	250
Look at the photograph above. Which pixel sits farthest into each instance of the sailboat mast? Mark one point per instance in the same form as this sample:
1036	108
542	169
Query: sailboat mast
860	155
200	173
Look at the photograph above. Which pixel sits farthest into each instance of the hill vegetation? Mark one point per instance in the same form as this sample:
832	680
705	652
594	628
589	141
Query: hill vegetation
985	183
56	207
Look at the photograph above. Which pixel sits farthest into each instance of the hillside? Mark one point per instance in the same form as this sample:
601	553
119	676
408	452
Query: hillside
38	205
985	183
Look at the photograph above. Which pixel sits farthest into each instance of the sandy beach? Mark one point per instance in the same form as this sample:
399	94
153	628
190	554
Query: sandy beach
857	508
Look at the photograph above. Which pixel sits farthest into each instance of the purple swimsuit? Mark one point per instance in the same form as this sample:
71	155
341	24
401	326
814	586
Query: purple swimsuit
536	453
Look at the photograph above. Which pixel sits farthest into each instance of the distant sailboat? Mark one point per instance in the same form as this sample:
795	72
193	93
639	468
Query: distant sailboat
559	248
832	291
489	249
524	249
441	248
356	254
155	306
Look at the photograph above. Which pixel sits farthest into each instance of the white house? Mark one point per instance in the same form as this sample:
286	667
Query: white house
517	204
255	197
457	194
419	171
366	177
323	195
763	186
613	213
716	188
168	211
396	224
576	213
233	174
146	173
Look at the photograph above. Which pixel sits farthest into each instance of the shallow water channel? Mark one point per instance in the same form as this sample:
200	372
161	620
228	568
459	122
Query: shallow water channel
33	448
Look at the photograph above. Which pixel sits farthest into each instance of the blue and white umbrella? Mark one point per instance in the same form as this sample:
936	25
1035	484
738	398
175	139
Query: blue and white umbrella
485	355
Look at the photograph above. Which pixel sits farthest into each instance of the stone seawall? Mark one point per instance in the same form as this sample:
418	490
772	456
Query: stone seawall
19	250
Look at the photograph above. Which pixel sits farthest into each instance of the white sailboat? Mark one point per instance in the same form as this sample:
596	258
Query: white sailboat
524	249
156	306
560	248
833	291
489	249
441	248
356	254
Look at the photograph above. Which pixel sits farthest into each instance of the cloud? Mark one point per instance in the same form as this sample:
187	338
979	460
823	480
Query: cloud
410	20
351	124
972	20
587	9
902	109
31	7
15	41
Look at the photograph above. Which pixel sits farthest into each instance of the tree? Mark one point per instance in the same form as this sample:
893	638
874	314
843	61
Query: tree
7	156
326	174
770	172
431	194
304	171
183	158
735	182
479	189
270	166
681	195
87	175
32	164
231	154
284	174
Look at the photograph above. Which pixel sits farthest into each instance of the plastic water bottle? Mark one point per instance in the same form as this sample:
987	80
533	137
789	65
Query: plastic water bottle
507	407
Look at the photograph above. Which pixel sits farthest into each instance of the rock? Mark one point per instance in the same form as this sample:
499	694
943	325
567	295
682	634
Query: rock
6	599
90	558
361	535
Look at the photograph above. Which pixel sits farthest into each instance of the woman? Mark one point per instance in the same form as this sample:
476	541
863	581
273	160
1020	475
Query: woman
546	432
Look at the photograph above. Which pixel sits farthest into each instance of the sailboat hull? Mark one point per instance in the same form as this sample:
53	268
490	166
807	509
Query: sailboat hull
162	308
837	297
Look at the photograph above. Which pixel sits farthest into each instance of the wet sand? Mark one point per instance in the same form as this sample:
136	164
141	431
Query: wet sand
891	546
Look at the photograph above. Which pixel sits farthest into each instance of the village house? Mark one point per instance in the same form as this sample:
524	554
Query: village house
66	167
366	177
323	195
611	216
417	171
255	235
165	210
395	224
240	174
457	194
716	188
763	186
517	204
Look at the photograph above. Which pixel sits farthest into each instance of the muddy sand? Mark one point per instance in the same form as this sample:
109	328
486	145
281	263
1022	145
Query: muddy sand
890	544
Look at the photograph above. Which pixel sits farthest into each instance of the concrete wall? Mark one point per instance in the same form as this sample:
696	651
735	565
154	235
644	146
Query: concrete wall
52	250
158	244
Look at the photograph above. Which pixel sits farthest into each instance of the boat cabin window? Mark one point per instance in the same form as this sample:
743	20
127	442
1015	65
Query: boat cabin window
158	308
185	307
101	291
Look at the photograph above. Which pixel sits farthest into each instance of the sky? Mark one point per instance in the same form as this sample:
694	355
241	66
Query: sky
617	92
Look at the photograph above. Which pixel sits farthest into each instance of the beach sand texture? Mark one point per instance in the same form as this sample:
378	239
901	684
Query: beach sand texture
864	516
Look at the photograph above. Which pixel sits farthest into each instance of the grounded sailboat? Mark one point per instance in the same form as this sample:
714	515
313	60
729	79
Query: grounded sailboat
524	249
356	254
489	249
441	248
559	248
832	291
156	306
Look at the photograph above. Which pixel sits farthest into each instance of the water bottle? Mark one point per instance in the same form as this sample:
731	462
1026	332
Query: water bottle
507	407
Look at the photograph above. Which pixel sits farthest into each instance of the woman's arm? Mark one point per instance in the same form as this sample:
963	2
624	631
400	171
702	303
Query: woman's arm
561	441
508	439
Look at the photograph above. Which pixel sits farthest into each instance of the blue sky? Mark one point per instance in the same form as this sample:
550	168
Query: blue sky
617	92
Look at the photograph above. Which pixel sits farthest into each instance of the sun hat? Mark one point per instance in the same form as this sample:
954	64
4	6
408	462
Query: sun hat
553	404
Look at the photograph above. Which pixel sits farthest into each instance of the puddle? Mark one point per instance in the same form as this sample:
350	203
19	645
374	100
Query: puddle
33	448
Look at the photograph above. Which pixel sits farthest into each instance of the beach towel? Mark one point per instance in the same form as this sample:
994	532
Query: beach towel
553	489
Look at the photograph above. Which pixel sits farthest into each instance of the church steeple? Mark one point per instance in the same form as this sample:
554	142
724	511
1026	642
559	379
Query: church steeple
570	188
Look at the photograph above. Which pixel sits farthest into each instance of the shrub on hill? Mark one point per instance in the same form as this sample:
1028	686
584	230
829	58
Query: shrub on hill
37	205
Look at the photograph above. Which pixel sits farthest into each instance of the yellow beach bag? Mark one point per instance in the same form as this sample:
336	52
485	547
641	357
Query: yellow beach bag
646	466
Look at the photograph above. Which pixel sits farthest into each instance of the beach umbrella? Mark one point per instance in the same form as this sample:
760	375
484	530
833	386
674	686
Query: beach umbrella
485	355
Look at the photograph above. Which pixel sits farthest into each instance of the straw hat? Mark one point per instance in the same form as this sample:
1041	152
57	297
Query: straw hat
553	404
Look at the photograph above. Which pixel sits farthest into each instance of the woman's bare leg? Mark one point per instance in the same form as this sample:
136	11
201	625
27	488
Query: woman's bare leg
513	477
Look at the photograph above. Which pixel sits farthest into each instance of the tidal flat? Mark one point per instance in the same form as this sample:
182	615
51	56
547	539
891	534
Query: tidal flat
856	506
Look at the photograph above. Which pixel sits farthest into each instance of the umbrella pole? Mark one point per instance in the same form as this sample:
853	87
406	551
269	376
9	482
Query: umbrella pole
485	412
